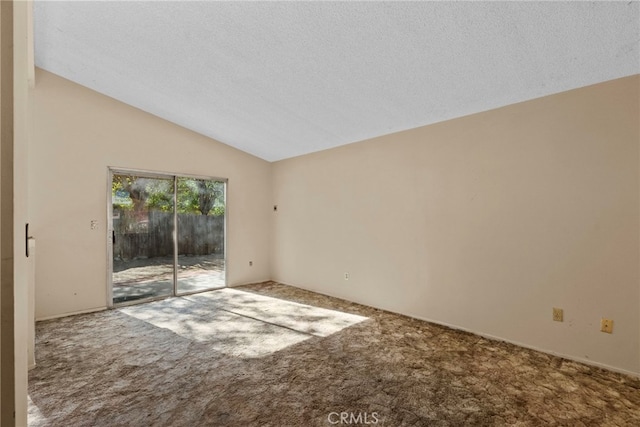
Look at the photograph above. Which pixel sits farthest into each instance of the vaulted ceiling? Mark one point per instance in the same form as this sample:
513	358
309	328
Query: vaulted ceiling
281	79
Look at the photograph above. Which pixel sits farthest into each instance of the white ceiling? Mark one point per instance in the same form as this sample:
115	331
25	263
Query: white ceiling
283	79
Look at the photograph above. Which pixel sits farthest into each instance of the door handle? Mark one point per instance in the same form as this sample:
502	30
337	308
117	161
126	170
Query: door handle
26	239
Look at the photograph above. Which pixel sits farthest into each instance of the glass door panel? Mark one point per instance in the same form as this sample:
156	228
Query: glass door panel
201	234
142	237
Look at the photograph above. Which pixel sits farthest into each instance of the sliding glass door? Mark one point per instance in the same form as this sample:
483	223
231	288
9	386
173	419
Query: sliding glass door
201	229
142	241
167	236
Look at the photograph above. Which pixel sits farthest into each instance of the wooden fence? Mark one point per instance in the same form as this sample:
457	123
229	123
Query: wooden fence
150	235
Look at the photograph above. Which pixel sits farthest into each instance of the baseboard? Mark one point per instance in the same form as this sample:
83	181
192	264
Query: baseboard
530	347
253	282
72	313
488	336
424	319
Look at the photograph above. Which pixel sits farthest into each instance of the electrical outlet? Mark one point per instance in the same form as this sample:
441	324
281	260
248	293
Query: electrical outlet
558	314
606	325
94	224
250	263
346	276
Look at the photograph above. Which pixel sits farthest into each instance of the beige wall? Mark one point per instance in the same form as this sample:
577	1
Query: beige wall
23	108
7	372
484	222
79	133
15	37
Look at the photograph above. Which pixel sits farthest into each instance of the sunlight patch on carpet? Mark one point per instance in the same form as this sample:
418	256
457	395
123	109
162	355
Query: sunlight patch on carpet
242	324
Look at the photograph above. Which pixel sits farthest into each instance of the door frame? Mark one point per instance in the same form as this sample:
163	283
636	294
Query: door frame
111	171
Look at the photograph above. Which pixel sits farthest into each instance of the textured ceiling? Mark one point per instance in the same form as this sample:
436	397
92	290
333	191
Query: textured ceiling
283	79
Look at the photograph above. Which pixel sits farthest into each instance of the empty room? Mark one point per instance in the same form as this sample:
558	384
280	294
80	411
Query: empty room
320	213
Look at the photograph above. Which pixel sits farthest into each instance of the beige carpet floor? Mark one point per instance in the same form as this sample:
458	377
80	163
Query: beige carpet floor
273	355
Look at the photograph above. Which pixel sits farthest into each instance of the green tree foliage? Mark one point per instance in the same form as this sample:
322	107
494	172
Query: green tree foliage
200	196
195	196
129	192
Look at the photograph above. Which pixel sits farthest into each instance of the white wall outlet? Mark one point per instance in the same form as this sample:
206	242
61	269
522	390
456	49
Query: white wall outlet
346	276
606	325
558	314
250	263
94	224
